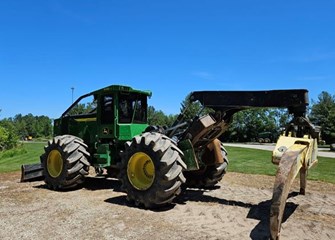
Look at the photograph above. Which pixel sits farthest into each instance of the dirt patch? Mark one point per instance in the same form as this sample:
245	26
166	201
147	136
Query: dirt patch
238	209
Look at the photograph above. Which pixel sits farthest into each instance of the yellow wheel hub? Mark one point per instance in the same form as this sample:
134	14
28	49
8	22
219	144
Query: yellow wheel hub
54	163
141	171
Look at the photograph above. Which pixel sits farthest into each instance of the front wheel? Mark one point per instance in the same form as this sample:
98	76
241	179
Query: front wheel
65	162
151	170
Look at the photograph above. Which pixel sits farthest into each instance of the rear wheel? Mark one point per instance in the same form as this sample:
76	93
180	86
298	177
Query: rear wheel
65	162
151	170
208	176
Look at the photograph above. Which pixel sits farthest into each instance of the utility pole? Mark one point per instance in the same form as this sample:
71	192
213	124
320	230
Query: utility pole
72	88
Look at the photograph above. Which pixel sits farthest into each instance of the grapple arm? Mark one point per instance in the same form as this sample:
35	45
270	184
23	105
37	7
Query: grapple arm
296	149
229	102
205	129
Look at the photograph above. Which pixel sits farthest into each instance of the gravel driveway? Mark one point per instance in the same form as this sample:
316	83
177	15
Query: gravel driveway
238	209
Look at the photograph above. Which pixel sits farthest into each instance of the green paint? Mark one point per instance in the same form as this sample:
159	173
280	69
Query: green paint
189	155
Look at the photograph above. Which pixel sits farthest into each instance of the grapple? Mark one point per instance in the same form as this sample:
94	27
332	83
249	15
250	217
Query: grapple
294	153
296	149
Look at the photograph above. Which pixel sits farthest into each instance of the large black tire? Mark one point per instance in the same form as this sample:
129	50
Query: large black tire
65	162
151	170
207	176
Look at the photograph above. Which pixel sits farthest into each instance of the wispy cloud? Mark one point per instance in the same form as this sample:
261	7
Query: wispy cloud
318	57
220	81
60	8
313	78
203	75
307	58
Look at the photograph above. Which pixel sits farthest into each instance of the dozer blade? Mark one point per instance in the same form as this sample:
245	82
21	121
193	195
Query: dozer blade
31	172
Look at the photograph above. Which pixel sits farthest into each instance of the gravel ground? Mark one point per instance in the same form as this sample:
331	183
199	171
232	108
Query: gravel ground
237	209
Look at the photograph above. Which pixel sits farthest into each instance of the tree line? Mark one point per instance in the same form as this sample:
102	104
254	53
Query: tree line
246	125
23	127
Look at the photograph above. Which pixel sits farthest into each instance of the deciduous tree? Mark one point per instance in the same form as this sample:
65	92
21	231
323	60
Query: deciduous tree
323	115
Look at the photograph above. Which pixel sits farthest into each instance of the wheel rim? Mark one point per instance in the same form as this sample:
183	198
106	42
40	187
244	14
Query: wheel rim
54	163
141	171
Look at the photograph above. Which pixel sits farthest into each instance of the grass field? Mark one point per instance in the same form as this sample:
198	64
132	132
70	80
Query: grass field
12	160
243	160
254	161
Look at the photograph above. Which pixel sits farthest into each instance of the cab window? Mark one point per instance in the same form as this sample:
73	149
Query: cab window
132	108
107	110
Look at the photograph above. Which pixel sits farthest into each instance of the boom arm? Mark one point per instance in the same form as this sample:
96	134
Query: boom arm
231	102
203	130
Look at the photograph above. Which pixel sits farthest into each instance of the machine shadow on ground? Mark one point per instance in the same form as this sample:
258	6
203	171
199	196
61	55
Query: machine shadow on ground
92	184
100	183
260	211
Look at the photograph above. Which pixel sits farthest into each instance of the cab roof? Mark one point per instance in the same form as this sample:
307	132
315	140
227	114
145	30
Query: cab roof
121	88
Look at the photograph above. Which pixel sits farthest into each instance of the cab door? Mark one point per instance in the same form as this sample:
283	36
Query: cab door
106	117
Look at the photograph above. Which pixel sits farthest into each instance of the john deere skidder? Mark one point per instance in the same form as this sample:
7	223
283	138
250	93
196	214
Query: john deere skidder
153	162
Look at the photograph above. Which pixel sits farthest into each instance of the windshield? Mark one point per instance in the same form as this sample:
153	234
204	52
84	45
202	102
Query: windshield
86	105
132	108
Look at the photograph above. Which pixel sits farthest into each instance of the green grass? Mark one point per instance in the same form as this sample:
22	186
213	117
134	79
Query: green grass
254	161
242	160
11	160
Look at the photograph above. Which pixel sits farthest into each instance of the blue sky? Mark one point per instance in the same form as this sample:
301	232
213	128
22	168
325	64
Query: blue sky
170	47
